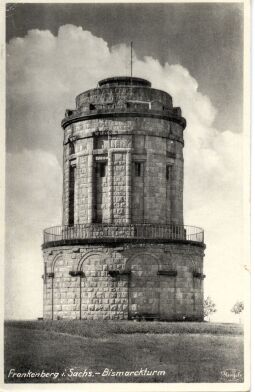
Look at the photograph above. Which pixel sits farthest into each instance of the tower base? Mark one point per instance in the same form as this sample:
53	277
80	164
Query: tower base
162	281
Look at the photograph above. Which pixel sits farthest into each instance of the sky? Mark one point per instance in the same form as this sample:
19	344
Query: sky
192	51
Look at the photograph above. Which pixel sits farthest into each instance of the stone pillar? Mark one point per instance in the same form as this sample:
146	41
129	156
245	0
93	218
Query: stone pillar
90	188
128	186
76	191
110	184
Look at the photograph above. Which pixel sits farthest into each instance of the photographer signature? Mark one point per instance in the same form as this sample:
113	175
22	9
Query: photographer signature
232	375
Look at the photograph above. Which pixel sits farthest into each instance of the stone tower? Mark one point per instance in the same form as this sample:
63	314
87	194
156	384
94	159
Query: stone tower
123	251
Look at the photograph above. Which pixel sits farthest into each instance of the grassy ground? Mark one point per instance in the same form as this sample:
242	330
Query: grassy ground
78	350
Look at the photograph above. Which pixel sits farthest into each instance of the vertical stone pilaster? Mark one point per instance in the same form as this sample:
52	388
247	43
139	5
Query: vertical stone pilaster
76	192
194	295
110	184
52	298
177	191
90	188
128	186
181	193
174	193
65	195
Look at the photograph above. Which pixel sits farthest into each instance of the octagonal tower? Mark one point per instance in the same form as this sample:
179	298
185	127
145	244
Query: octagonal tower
123	250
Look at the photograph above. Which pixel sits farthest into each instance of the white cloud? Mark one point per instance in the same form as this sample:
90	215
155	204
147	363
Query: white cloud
32	203
44	75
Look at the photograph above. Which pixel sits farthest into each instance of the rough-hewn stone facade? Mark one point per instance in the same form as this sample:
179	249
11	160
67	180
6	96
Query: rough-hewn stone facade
123	250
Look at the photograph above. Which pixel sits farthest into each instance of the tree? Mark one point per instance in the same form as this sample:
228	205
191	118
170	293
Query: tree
238	308
209	307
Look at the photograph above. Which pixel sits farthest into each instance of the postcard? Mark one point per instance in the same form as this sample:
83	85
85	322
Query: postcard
127	185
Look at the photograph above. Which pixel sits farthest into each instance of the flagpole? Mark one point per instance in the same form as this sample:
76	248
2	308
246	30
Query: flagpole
131	62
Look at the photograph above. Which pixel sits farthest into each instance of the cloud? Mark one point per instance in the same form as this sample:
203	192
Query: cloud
32	204
44	74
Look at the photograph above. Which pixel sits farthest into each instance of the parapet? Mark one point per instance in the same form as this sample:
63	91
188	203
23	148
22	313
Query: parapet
124	96
124	81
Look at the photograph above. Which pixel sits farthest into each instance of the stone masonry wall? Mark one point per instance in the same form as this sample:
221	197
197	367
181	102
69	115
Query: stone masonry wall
138	196
149	199
115	97
154	280
155	181
82	191
119	187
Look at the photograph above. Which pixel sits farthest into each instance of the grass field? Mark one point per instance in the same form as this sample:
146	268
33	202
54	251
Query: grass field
81	351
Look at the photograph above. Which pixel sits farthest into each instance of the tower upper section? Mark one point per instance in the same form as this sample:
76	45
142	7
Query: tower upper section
124	95
123	156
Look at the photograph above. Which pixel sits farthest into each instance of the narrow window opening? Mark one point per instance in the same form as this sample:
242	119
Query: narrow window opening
168	172
138	169
71	195
102	169
100	142
71	148
100	192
